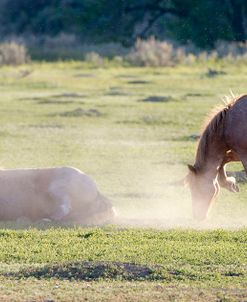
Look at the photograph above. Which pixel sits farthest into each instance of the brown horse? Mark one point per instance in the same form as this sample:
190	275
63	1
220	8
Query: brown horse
223	140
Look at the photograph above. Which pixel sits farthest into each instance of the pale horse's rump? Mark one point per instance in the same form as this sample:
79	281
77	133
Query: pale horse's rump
60	194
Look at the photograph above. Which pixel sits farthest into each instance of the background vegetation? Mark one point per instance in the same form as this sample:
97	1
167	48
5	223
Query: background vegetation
200	22
70	29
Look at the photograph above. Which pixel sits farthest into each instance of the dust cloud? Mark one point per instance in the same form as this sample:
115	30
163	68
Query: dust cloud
167	205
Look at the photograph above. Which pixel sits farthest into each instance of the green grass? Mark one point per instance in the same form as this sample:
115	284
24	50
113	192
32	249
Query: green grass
132	130
206	262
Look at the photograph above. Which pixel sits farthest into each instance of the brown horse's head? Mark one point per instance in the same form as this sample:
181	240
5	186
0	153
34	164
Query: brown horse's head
203	191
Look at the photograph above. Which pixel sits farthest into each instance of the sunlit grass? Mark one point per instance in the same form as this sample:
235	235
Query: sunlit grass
134	131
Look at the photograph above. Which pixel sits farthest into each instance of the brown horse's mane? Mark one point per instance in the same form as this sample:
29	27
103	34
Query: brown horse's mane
213	128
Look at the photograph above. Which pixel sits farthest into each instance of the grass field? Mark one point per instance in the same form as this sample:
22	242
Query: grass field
133	130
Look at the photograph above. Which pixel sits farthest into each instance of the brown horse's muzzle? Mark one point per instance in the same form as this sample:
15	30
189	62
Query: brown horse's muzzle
200	210
199	216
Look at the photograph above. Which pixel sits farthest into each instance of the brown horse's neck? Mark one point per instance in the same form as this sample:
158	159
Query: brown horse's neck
212	147
211	164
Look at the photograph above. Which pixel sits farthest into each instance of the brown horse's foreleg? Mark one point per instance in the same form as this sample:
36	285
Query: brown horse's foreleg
230	156
225	181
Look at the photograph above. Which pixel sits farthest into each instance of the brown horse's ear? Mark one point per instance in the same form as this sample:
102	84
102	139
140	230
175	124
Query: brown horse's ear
192	169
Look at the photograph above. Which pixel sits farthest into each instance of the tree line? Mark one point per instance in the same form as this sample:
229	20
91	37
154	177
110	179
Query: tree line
201	22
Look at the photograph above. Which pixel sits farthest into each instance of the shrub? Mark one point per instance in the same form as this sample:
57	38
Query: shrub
94	58
231	50
67	47
12	53
152	53
162	53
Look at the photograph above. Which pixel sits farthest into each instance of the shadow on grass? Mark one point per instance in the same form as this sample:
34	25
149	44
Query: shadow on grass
198	94
188	138
57	98
137	82
45	126
211	73
158	99
110	270
79	112
91	270
148	120
116	91
84	75
50	102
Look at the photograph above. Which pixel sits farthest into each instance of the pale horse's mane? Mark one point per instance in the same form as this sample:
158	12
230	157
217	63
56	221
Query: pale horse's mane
213	127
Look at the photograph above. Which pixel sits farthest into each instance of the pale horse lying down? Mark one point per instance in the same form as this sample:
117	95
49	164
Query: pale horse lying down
58	194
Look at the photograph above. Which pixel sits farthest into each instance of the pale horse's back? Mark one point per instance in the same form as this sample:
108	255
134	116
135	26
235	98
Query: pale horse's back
59	194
